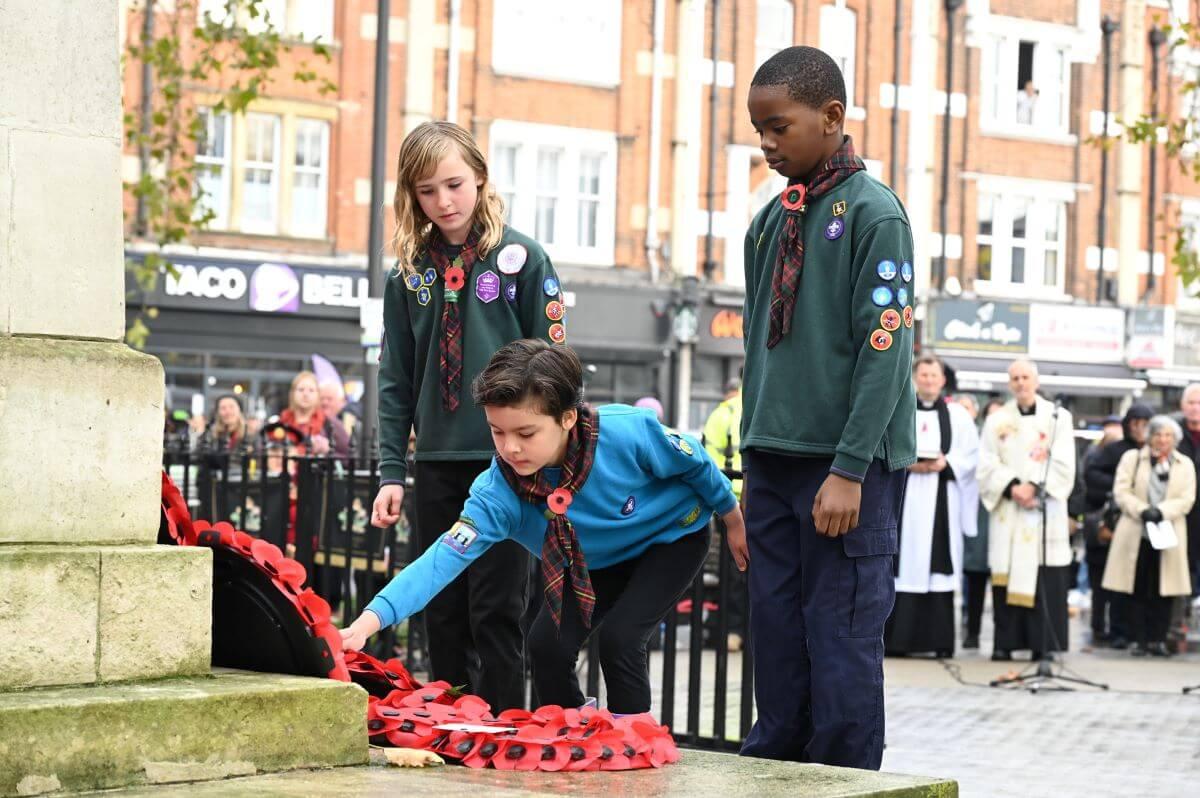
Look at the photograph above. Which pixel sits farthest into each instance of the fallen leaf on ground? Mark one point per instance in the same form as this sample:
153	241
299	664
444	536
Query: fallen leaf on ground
412	758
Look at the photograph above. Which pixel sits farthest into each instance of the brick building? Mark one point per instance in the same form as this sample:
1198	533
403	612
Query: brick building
603	155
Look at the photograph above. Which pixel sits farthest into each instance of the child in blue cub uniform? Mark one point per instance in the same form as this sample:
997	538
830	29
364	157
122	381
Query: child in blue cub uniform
616	505
827	421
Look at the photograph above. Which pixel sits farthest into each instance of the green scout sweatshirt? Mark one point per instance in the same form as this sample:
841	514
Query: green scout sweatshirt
839	384
513	293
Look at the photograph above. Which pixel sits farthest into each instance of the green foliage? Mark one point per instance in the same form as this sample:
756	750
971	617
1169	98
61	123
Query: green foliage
1180	139
235	58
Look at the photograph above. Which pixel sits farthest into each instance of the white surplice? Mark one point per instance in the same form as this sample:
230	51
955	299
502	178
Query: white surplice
920	502
1014	446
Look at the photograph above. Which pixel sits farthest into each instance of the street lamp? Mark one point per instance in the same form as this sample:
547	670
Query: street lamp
951	7
1108	26
1158	38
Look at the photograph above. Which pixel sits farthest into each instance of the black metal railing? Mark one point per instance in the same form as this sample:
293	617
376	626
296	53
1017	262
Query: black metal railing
318	510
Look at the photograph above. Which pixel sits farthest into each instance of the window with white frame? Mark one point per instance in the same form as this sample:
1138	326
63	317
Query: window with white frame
1020	241
839	38
549	39
503	172
302	19
260	175
311	19
559	185
310	178
1026	84
213	167
774	29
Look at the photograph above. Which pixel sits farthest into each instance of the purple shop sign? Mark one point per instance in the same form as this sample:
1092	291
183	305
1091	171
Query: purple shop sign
274	288
487	286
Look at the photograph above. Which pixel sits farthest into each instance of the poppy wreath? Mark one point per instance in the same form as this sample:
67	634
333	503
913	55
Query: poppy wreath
402	712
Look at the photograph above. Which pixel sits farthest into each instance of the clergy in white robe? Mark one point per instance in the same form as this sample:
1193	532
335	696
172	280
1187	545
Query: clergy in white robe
1026	473
940	501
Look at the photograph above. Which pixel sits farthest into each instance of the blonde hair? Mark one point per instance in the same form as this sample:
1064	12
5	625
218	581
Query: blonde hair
423	149
303	375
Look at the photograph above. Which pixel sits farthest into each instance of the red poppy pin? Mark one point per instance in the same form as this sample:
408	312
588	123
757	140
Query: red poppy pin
793	197
559	501
454	277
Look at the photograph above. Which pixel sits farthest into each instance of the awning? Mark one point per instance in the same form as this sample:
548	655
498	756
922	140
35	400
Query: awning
1076	379
1174	378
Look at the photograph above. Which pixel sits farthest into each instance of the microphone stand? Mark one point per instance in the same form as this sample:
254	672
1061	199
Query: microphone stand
1041	675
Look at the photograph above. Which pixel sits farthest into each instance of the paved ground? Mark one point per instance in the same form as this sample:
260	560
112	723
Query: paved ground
1140	738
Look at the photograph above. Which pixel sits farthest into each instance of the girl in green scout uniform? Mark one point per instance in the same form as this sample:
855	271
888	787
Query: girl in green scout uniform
828	317
465	285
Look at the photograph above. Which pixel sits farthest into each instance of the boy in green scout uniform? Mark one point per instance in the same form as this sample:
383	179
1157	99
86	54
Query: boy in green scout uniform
827	424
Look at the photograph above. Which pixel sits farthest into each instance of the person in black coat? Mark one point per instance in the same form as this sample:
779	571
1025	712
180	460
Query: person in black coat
1100	516
1189	422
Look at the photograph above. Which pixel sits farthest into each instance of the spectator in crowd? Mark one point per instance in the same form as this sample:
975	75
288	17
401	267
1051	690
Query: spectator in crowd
313	433
1189	447
1026	474
1154	484
937	511
1026	103
228	431
1100	515
975	561
337	409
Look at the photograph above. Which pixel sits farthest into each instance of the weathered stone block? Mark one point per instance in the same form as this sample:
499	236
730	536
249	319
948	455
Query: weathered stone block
61	250
155	612
80	442
49	600
230	724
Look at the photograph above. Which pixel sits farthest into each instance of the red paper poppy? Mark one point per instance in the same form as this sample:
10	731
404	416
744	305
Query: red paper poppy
615	753
559	501
515	717
482	755
461	745
455	278
793	197
179	520
473	708
582	754
517	754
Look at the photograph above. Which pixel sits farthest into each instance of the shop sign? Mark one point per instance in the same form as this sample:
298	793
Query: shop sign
1076	333
1187	342
966	325
726	324
1151	331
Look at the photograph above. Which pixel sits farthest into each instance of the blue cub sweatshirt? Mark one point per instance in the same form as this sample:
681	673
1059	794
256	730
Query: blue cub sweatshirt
648	485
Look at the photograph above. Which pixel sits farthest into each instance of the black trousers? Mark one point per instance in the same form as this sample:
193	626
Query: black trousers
1149	614
632	598
1107	615
473	626
975	595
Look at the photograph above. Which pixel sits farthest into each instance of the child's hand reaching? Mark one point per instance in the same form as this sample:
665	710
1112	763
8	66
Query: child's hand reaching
354	636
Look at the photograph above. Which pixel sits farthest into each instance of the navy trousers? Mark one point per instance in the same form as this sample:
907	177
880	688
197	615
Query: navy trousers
817	611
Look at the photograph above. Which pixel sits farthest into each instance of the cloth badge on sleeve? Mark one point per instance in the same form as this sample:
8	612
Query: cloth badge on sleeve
906	271
691	517
890	320
550	286
511	259
510	292
629	506
423	296
834	230
881	340
557	333
839	208
413	282
882	296
429	276
886	270
901	296
555	311
679	443
908	317
460	537
487	286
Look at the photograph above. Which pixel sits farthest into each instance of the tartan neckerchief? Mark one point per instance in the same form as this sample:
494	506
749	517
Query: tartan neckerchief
562	556
450	345
789	261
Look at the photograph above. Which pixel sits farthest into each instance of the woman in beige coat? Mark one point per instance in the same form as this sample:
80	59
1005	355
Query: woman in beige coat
1154	483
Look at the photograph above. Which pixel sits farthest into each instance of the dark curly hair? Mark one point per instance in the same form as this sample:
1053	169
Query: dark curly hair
810	75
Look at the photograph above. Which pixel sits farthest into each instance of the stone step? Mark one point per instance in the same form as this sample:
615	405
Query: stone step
86	614
698	773
232	723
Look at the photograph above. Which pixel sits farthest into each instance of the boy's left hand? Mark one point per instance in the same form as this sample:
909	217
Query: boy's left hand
835	510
